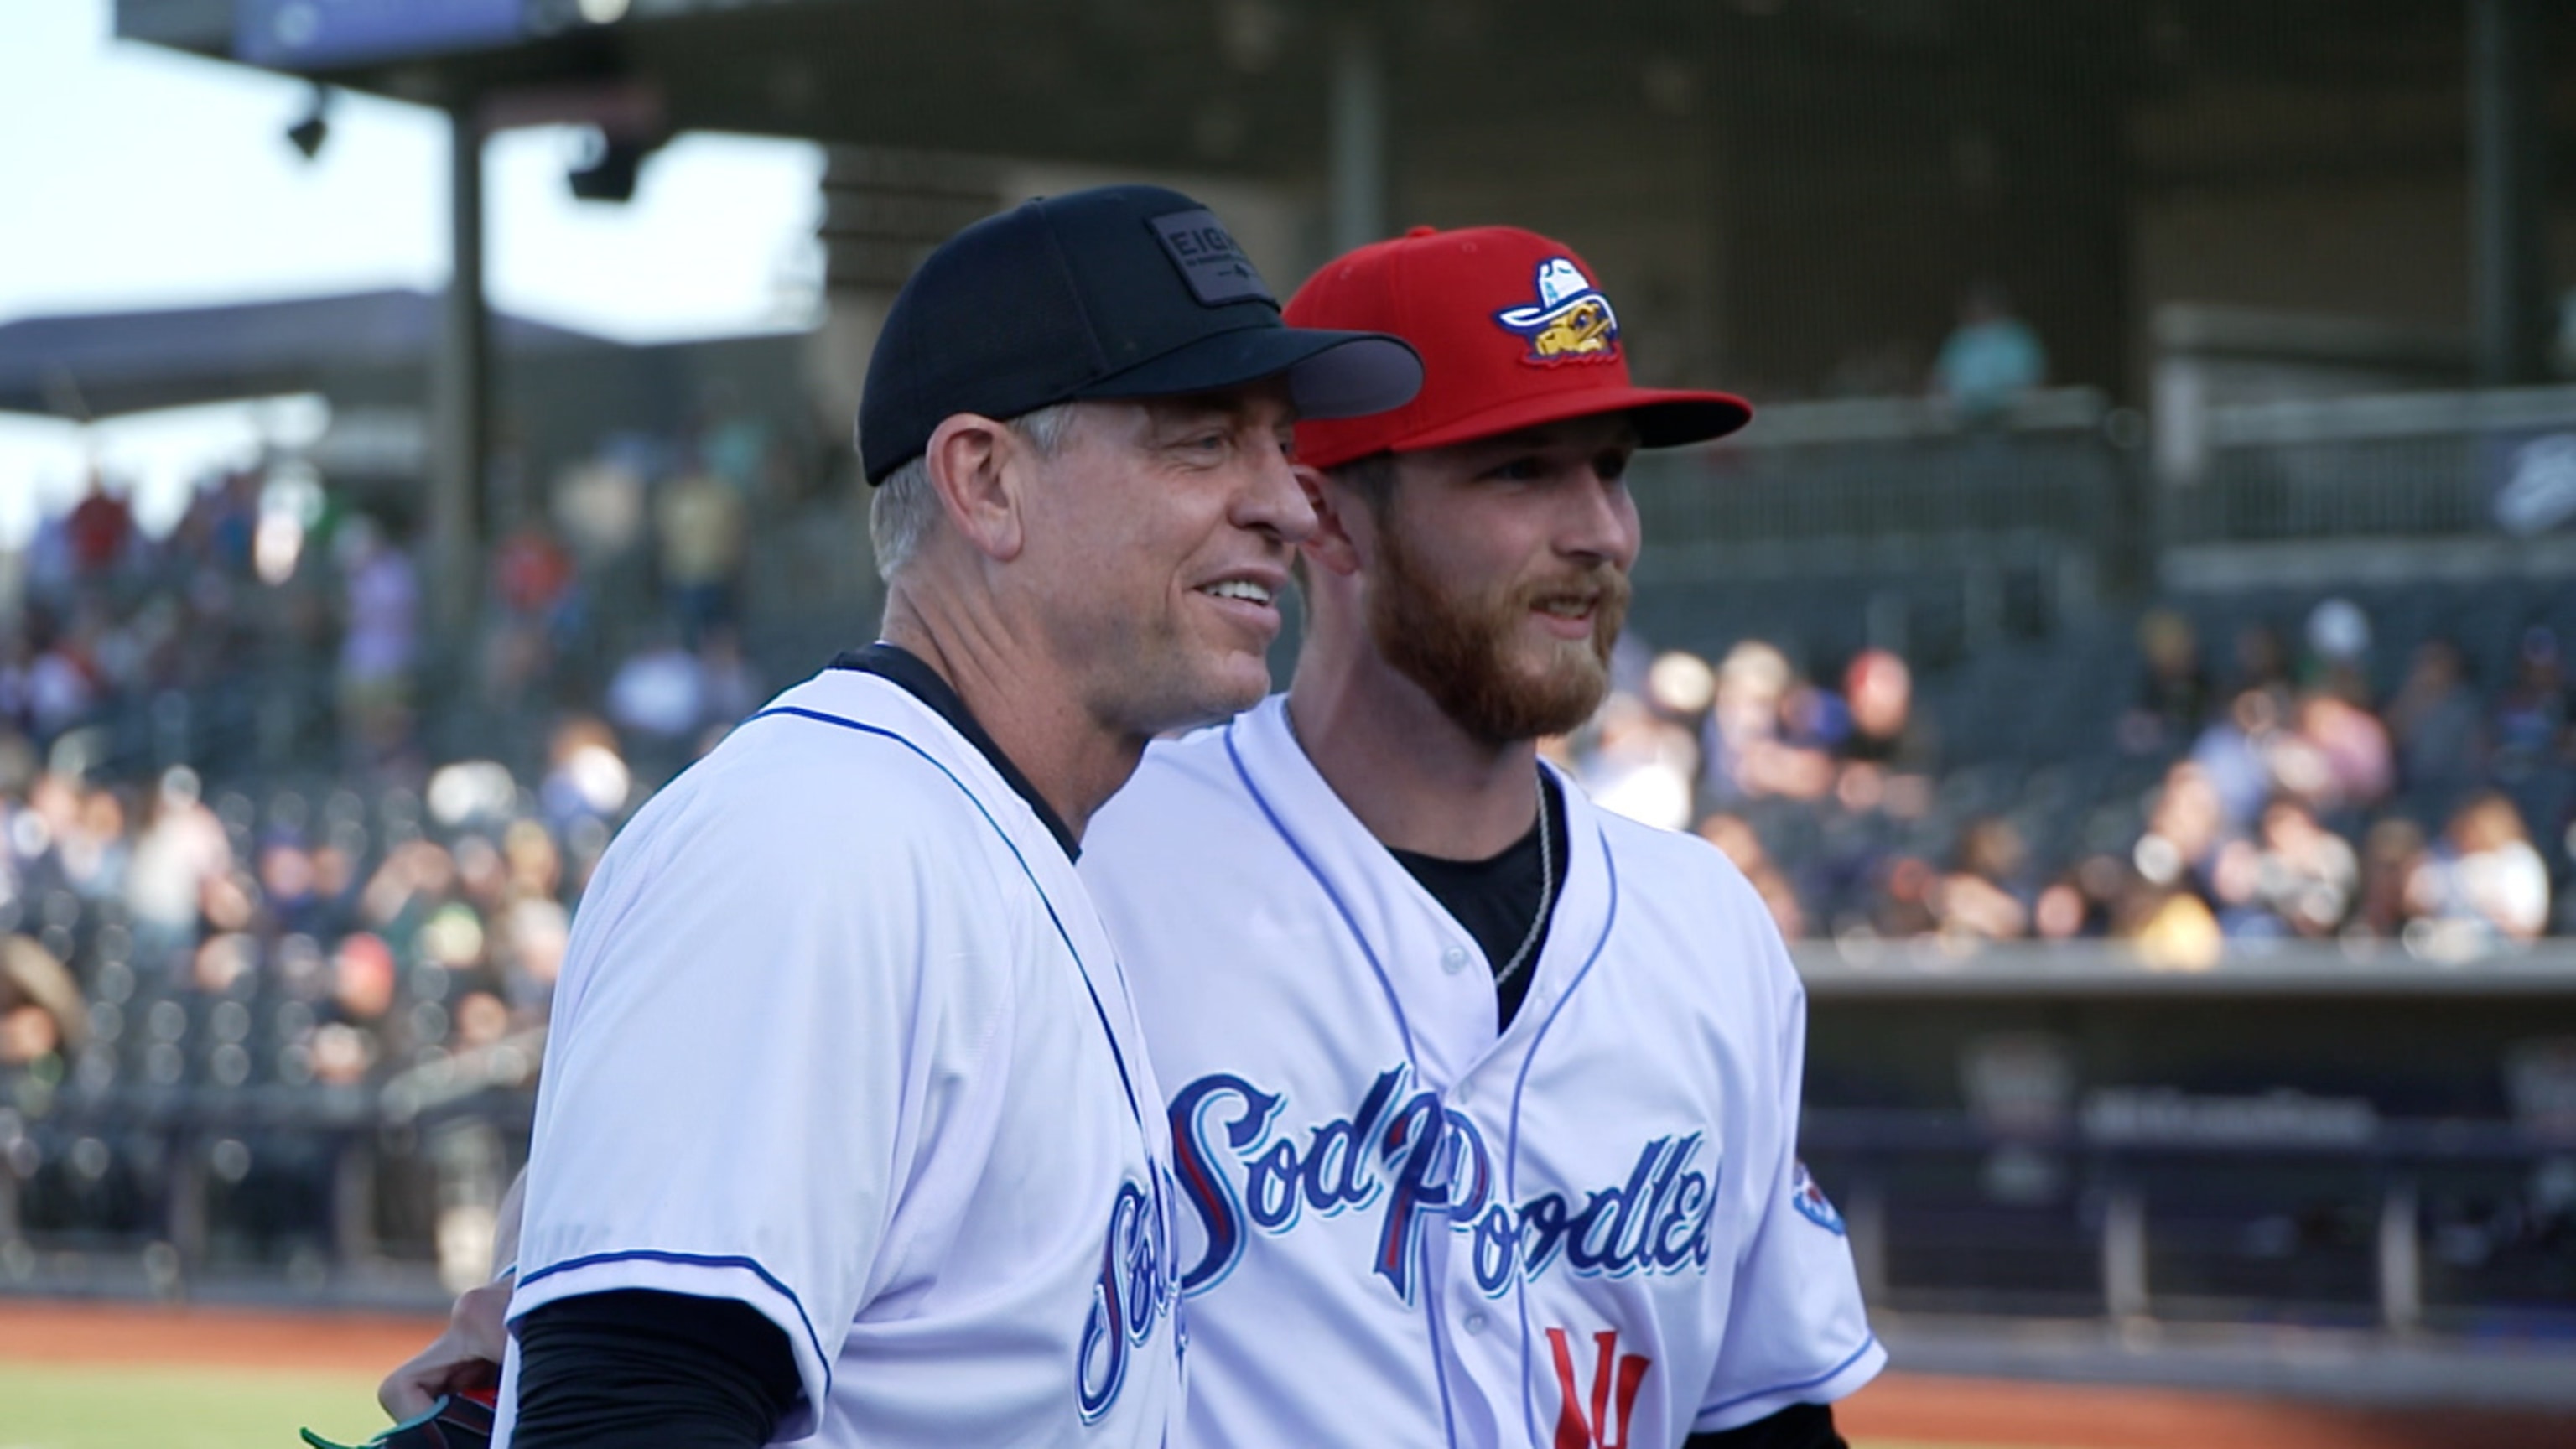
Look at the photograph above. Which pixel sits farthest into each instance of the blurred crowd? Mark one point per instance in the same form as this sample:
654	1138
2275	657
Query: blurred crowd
282	617
374	905
161	939
2273	798
233	853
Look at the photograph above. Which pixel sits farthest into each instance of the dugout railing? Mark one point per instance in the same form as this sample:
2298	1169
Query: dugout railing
2308	1134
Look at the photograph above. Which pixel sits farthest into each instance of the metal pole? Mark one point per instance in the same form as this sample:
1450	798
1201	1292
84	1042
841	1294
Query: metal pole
2401	1262
460	393
2508	211
2124	1254
1358	180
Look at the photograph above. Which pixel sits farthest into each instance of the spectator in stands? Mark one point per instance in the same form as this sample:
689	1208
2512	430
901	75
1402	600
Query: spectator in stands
534	582
1891	750
380	641
2529	725
2338	757
42	1015
1981	898
365	980
63	681
2339	648
178	858
2171	928
2486	881
1990	360
100	531
2185	828
2083	902
658	699
2439	727
2306	877
1747	754
700	525
93	845
586	778
2391	855
1904	904
2235	755
2262	662
2173	698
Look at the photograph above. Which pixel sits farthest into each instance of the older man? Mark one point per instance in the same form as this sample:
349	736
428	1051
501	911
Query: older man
847	1129
1484	1101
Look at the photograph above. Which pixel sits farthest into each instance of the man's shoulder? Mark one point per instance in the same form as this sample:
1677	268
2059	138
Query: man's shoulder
1651	858
1689	884
826	786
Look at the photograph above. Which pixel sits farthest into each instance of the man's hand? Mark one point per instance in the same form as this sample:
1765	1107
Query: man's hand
466	1356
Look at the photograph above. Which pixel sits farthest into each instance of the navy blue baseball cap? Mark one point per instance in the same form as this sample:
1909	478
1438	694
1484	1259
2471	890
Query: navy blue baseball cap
1116	292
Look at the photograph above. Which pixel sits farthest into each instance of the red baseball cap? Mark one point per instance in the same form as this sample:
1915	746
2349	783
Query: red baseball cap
1513	334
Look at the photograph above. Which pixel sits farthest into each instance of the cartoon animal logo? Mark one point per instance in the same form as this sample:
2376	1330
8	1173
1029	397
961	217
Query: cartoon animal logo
1570	322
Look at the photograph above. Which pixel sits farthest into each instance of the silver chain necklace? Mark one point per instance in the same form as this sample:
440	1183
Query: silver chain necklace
1546	891
1546	865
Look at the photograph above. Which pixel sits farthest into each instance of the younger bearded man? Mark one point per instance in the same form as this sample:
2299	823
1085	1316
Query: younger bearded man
1484	1101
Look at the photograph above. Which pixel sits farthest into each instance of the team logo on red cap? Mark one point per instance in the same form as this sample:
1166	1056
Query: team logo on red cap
1570	322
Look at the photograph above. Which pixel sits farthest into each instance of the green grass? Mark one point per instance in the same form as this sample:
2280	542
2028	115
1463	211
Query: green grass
55	1406
66	1406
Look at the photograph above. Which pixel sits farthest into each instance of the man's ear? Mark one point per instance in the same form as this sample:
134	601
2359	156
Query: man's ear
979	468
1331	547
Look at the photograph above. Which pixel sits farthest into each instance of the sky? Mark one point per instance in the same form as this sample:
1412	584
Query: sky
135	177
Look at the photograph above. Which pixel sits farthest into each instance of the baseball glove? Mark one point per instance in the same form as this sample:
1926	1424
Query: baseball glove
454	1422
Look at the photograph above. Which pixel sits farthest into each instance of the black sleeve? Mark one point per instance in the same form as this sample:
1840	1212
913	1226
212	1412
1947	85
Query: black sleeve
1799	1426
644	1370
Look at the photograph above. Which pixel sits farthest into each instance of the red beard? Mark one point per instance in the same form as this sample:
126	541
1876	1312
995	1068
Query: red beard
1461	649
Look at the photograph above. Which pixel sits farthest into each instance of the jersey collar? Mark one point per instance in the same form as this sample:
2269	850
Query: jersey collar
906	670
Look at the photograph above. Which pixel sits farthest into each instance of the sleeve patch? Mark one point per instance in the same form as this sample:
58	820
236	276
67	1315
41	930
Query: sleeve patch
1811	1202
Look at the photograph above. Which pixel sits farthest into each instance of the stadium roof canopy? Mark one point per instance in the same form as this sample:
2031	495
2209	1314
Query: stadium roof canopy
103	363
1134	83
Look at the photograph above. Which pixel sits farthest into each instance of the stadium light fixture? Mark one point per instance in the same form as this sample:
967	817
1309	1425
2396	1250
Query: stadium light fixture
307	135
608	170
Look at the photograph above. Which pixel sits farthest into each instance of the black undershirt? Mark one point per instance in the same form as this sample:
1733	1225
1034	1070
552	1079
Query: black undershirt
1496	897
645	1370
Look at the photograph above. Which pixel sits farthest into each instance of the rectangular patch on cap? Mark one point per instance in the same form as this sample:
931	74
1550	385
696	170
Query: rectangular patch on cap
1216	269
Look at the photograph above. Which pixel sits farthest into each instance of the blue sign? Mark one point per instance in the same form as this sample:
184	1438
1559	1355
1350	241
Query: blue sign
320	34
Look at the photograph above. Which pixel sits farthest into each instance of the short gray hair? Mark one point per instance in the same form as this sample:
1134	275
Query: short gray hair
906	507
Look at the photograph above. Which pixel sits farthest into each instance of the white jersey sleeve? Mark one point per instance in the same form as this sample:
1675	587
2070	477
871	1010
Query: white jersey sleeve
1795	1317
707	1123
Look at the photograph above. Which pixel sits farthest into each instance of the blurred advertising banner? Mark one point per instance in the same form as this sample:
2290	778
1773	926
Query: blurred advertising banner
311	34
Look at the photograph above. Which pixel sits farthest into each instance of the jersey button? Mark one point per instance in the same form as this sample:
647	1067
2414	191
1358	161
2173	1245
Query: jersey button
1476	1321
1454	960
1463	1093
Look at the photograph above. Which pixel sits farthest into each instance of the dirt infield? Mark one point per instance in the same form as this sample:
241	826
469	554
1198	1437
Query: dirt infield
45	1331
1915	1409
1923	1408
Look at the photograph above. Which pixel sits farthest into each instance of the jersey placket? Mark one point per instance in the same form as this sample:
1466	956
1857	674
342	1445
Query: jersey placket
1481	1340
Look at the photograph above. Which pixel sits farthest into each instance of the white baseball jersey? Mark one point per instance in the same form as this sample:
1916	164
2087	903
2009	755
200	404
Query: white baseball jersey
840	1037
1592	1232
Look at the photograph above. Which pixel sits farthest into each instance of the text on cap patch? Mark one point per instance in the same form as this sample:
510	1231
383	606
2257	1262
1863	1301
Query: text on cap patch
1216	269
